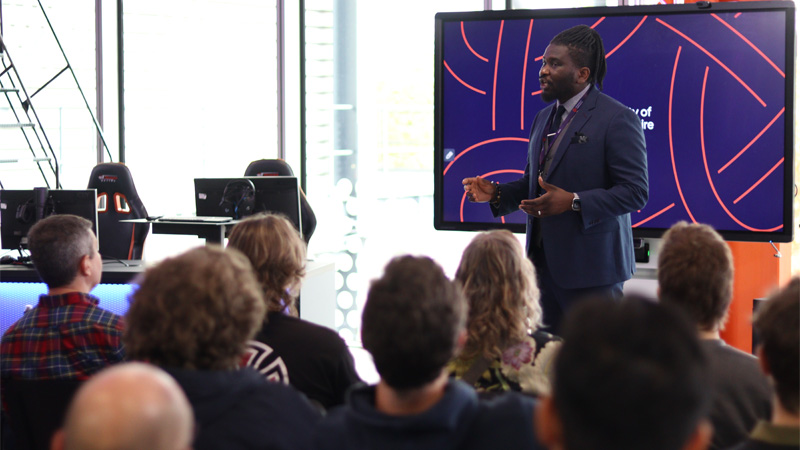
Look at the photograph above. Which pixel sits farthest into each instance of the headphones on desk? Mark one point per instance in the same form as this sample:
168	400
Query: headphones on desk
38	207
239	198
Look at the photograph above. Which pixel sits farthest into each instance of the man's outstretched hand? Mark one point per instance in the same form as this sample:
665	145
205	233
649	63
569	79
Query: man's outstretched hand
479	190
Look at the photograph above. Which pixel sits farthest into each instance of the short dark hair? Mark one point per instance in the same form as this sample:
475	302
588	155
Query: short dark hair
411	321
196	310
586	50
630	375
57	244
777	326
695	273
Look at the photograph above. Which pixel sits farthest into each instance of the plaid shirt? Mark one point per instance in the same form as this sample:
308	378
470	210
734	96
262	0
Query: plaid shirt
65	337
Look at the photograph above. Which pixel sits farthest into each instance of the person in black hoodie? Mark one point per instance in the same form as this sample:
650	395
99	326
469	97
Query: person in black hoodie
311	358
412	323
192	315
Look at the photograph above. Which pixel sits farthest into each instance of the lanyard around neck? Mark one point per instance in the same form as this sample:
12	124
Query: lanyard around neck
546	147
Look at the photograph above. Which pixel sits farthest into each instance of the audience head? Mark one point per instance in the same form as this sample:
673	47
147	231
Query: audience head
777	326
64	250
695	273
278	254
412	321
630	375
586	50
127	407
195	311
499	283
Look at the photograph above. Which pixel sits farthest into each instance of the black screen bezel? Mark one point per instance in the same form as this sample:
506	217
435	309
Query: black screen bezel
784	235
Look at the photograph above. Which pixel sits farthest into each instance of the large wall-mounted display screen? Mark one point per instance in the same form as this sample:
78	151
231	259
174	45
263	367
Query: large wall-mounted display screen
711	83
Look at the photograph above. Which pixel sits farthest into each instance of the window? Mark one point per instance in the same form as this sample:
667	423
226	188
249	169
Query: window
66	122
369	141
200	98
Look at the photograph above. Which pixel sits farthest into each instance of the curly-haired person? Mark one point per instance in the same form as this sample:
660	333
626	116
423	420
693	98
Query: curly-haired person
506	348
192	315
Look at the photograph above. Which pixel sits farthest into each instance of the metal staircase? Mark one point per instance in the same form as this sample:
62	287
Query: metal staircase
33	147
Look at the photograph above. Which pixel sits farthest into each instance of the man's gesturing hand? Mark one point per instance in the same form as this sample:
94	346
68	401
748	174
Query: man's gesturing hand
553	202
478	189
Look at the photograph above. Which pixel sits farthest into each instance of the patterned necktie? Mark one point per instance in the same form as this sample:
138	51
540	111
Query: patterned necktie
557	120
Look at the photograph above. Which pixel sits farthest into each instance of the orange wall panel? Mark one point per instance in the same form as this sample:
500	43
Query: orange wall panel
757	273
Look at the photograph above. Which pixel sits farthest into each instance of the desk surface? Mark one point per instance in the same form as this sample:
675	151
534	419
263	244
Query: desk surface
317	303
114	272
212	232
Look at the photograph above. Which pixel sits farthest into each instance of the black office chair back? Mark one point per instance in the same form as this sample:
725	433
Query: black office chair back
117	200
36	409
279	167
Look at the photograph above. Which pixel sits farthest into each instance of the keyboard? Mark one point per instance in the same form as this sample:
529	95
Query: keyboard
195	219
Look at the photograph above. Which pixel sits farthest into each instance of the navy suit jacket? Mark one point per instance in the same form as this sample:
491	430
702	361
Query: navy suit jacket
602	157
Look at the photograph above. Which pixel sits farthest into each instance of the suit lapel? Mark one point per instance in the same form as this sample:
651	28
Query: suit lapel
537	133
577	124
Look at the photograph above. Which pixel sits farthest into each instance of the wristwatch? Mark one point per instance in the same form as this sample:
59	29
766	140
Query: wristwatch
576	202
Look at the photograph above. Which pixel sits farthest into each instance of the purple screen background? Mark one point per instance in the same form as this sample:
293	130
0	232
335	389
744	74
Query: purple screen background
713	86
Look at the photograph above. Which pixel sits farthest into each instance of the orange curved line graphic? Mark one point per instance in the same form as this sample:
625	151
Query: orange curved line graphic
461	209
598	23
671	146
536	92
769	172
705	162
524	72
496	64
627	37
654	215
464	35
758	50
479	144
721	64
737	15
462	81
752	141
487	174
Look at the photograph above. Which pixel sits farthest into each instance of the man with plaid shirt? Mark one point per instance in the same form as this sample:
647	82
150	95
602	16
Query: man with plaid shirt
66	336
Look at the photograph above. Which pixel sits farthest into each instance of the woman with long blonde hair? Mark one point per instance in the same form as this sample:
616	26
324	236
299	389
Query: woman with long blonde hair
505	349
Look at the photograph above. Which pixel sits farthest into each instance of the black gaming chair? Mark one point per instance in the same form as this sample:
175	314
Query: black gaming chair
117	199
279	167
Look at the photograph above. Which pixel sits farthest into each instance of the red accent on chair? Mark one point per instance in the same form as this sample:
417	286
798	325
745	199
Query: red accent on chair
118	239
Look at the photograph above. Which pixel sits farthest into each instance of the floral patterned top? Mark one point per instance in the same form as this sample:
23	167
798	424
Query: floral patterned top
524	367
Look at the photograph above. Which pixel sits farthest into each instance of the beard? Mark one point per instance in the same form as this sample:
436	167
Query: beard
548	96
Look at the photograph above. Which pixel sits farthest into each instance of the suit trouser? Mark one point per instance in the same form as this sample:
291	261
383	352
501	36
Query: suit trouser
556	300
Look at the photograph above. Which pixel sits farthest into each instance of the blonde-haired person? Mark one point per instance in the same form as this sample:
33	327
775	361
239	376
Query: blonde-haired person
311	358
505	348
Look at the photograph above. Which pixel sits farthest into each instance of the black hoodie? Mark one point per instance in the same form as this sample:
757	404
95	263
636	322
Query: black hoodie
239	409
458	421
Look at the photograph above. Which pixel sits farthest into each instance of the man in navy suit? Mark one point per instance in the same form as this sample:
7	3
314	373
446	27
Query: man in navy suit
586	171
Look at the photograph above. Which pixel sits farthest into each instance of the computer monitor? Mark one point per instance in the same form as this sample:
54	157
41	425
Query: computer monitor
20	209
221	196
